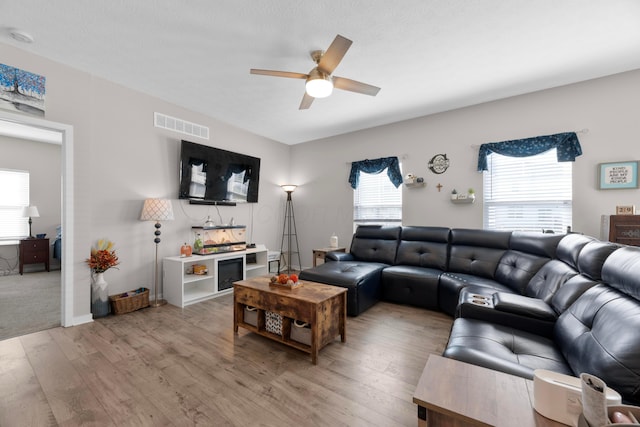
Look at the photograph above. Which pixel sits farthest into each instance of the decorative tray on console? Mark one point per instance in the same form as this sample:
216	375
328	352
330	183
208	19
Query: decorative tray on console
284	281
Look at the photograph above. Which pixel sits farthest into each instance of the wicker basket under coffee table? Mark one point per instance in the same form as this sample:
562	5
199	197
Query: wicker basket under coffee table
323	307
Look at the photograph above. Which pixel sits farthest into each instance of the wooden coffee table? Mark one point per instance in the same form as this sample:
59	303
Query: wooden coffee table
457	394
323	307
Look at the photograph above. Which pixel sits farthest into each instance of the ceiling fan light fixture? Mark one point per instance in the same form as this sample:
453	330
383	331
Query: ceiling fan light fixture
319	84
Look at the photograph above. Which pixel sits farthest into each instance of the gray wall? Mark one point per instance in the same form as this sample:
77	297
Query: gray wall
120	159
607	107
42	161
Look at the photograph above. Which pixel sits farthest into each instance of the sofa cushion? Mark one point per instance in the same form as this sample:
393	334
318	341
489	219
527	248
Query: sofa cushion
338	256
477	252
515	269
481	238
546	282
374	243
598	334
592	257
503	348
580	255
535	243
570	291
570	246
405	284
423	247
362	280
621	270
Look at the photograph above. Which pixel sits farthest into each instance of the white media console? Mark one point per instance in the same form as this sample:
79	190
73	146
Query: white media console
181	286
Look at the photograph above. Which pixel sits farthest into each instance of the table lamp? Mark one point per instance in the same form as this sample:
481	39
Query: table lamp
31	212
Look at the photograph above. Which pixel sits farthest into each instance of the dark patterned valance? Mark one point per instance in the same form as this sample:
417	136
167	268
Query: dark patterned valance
566	144
376	166
235	168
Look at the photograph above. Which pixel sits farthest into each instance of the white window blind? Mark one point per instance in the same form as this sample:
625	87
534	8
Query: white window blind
377	200
527	193
13	198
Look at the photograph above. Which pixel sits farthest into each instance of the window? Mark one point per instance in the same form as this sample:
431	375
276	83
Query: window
377	201
238	186
527	193
13	199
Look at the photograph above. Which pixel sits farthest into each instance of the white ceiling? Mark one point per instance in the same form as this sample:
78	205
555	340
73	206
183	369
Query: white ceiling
427	56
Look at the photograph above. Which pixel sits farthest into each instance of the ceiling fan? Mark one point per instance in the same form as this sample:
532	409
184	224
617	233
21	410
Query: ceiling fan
320	82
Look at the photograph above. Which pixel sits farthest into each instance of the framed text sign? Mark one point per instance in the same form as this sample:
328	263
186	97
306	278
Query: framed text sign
618	175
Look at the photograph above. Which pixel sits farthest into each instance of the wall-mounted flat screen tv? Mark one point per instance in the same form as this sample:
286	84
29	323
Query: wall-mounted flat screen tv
213	175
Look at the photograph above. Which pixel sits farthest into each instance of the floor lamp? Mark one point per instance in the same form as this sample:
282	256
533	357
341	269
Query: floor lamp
157	210
289	229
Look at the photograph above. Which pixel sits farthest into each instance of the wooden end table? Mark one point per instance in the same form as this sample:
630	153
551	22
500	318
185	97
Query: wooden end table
322	252
457	394
323	307
34	251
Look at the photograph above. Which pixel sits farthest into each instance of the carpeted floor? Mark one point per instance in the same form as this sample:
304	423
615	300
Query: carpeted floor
29	303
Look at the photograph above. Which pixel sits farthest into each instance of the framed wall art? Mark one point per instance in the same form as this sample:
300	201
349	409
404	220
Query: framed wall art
22	90
618	175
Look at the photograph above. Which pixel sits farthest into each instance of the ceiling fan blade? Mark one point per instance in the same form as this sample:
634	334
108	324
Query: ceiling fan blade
354	86
306	101
334	54
273	73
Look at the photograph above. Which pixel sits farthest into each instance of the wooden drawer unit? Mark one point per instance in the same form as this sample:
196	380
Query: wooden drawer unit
34	251
625	229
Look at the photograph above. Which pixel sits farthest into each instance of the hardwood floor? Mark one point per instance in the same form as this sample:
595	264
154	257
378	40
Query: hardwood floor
172	366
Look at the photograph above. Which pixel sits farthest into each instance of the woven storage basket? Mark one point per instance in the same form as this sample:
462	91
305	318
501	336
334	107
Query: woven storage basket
273	322
129	301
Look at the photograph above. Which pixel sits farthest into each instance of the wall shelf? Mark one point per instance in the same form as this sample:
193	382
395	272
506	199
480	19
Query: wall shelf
415	184
465	201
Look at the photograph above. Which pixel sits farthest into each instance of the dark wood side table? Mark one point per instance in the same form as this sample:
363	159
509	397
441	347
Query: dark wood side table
322	252
625	229
34	251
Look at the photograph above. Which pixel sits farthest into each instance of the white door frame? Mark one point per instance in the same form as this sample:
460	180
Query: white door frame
67	271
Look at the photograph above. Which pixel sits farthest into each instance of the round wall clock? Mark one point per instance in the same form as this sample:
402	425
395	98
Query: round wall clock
438	163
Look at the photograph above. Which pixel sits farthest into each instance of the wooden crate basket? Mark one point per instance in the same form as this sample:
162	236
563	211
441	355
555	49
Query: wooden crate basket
129	301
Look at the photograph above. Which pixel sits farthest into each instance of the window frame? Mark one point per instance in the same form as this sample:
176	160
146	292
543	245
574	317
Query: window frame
547	206
12	204
374	180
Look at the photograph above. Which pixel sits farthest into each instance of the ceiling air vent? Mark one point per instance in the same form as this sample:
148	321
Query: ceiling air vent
181	126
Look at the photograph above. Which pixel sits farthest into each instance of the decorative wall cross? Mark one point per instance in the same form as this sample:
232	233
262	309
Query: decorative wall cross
439	187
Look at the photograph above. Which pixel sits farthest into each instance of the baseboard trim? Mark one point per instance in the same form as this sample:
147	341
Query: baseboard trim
79	320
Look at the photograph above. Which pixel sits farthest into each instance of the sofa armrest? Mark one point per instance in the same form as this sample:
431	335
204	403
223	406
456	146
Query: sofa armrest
339	256
515	311
523	306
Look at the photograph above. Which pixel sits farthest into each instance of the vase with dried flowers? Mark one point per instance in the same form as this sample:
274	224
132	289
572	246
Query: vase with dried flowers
103	257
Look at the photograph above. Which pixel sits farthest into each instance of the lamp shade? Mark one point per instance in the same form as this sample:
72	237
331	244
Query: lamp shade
157	210
31	212
289	187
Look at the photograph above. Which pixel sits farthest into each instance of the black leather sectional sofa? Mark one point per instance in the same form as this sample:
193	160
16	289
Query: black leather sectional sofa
521	301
